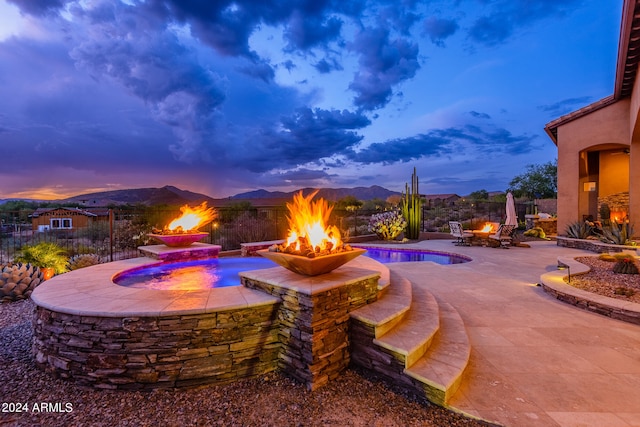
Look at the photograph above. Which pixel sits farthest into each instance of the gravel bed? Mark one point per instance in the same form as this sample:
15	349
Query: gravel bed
356	399
602	280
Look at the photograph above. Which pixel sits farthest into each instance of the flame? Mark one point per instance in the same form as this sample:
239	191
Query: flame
488	228
192	218
307	224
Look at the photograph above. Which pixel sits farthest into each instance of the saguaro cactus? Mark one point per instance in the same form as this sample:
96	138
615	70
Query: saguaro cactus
412	208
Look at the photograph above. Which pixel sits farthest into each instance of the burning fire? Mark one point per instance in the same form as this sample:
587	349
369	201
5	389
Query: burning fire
191	219
488	228
309	234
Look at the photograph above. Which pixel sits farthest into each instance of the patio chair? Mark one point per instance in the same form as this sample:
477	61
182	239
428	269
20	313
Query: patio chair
503	235
463	237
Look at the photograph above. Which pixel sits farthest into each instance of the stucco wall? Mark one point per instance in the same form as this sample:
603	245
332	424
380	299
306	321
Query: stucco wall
608	125
614	173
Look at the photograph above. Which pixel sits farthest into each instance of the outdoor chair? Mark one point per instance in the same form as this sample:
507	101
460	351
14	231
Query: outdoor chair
462	237
503	235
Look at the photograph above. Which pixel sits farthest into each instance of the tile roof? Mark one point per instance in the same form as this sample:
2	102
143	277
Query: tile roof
626	68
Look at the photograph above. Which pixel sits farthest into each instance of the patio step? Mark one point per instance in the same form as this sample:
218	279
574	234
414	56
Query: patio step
410	339
413	340
440	369
390	308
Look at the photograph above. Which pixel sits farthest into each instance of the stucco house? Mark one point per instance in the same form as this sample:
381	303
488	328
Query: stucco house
599	145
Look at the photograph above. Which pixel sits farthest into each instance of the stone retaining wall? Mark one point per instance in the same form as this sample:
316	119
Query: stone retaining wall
592	245
619	313
150	352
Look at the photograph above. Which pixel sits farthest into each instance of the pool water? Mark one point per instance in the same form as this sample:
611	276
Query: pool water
385	255
192	275
223	272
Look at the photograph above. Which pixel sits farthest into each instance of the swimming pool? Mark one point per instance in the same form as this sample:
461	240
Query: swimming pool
387	255
223	272
191	275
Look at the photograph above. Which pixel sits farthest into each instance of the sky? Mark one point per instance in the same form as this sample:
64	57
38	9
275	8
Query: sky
222	97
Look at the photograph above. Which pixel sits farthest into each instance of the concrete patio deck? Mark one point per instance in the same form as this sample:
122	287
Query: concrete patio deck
535	361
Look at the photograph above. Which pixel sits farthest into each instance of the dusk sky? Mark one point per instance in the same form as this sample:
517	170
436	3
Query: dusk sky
222	97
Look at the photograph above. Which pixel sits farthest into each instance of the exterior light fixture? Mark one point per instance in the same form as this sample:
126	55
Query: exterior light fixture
590	186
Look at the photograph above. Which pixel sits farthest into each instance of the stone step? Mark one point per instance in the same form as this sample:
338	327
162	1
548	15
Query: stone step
390	309
409	339
440	369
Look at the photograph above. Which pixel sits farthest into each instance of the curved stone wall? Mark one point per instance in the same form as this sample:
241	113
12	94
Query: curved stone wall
157	352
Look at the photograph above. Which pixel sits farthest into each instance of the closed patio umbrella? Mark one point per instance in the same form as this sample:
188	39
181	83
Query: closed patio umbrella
512	217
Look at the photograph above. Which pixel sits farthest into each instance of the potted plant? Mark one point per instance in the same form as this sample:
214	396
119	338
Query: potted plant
49	257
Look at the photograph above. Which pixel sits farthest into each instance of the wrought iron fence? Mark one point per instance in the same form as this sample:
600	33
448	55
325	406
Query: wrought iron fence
118	235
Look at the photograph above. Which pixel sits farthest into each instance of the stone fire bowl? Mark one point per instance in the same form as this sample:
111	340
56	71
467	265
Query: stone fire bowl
179	240
311	266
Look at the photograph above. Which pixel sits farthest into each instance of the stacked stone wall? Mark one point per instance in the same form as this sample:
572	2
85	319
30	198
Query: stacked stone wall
315	328
157	352
592	245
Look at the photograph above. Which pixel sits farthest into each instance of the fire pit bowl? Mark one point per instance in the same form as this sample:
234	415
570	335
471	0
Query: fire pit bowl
179	240
311	266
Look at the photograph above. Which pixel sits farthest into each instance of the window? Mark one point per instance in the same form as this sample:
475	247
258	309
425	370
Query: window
58	223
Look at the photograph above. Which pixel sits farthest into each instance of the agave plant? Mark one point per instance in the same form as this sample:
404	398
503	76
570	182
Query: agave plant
617	234
579	230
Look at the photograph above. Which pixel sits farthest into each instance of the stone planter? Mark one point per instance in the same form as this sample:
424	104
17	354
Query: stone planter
594	245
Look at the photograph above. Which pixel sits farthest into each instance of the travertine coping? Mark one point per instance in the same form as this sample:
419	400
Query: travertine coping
91	291
554	284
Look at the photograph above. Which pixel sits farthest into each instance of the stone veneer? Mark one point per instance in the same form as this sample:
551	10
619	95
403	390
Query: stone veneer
593	245
194	251
106	336
314	318
137	353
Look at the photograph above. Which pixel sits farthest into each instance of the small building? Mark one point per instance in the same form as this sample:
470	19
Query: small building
599	145
440	200
44	219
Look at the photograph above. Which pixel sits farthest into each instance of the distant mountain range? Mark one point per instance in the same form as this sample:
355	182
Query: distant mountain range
167	195
332	194
170	195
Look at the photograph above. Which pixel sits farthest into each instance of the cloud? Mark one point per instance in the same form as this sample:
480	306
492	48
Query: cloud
138	53
383	63
458	141
403	149
304	32
327	65
438	30
507	16
478	115
303	137
39	7
301	177
565	106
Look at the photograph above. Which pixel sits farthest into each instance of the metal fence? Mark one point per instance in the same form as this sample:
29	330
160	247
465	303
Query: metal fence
119	235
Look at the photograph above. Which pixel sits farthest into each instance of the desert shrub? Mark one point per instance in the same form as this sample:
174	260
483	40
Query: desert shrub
387	225
607	257
84	260
44	255
249	228
130	235
536	232
627	292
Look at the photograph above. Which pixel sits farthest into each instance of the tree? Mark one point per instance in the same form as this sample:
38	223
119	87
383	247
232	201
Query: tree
349	203
538	182
479	195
